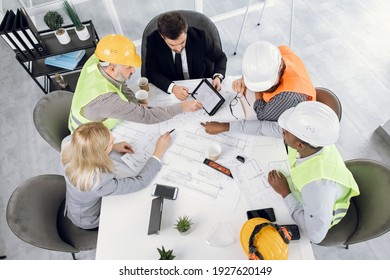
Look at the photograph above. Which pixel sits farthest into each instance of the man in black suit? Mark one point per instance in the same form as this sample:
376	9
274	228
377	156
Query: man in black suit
176	51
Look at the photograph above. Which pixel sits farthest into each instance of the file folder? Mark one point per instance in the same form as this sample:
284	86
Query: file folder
22	35
67	61
9	29
29	28
20	56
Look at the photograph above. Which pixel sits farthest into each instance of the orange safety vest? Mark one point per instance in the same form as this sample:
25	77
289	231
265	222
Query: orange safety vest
295	77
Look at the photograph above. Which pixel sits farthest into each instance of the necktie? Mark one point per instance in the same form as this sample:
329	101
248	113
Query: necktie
178	67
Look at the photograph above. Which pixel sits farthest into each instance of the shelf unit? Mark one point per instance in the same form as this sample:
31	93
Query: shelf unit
37	68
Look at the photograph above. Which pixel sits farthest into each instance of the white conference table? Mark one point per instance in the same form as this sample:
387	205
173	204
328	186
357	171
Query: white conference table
124	219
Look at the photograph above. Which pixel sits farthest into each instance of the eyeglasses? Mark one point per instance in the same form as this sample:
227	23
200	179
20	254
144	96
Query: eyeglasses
234	102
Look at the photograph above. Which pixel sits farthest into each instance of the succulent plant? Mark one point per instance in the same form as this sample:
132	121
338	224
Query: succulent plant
165	255
183	223
53	20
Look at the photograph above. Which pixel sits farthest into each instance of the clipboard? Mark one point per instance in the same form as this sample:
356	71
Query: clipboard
209	96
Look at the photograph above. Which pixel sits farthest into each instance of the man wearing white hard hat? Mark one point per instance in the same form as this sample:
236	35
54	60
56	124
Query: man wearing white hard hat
321	186
278	79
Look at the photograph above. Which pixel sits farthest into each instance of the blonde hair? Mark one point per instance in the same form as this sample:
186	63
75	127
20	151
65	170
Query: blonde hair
85	157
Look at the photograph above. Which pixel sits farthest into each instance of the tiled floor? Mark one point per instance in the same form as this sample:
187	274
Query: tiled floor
344	44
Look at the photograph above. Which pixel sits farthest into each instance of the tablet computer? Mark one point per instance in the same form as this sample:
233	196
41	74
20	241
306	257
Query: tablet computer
208	96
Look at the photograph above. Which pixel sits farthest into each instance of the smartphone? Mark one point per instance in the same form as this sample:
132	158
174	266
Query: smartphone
155	215
164	191
294	230
266	213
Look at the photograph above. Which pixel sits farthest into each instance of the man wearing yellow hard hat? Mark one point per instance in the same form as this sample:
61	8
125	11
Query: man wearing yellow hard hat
102	95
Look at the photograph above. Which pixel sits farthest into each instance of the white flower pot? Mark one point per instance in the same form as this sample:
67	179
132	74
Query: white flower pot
83	34
62	36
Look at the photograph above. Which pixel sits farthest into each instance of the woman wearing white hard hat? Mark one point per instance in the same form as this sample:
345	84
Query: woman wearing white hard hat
277	77
321	185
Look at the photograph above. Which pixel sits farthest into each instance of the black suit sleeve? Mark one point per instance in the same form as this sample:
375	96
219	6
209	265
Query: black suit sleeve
157	68
215	55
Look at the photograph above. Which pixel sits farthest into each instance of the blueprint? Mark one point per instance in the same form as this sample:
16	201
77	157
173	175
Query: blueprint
182	164
252	176
143	142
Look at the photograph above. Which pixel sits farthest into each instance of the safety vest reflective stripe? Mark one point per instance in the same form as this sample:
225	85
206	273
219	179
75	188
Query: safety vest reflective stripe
295	77
327	165
338	215
74	118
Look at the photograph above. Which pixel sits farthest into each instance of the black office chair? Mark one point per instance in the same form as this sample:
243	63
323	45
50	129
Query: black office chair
329	98
368	216
194	19
51	115
35	214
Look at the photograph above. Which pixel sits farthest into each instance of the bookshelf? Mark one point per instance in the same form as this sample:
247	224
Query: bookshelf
37	68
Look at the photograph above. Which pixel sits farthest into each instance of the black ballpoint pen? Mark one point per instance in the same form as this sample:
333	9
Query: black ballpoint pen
171	131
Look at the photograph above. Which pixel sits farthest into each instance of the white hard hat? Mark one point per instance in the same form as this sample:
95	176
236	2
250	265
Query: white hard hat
260	65
312	122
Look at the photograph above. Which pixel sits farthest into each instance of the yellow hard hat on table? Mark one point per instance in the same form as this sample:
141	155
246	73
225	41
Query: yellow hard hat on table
117	49
263	240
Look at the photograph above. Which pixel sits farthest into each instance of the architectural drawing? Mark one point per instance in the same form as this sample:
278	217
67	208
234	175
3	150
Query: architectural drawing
143	143
252	180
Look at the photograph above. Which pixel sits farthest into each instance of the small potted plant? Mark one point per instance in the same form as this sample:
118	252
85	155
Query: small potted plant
81	30
54	21
183	224
165	255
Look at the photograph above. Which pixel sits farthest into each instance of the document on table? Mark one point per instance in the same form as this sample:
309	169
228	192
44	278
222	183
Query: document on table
184	166
143	142
252	176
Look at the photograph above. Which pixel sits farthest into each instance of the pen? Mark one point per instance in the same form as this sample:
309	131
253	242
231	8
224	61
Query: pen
192	93
171	131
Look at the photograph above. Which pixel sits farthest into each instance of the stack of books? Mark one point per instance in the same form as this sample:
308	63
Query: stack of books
67	60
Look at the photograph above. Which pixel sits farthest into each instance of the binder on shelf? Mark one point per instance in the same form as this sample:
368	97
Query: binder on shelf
9	29
8	40
22	36
29	28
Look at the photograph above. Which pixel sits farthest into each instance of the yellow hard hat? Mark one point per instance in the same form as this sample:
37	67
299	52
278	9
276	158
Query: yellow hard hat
117	49
263	240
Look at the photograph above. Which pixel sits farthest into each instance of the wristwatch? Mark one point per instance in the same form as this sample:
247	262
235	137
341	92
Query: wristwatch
220	76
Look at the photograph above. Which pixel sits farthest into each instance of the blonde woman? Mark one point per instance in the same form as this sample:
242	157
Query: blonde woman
89	171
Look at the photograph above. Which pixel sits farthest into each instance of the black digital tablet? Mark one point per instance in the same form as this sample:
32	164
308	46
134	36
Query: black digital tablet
208	96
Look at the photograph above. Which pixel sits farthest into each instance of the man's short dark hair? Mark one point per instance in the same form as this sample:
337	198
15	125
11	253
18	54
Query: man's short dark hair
171	25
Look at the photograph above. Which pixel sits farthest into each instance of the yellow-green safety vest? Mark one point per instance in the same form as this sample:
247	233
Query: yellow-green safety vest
330	166
90	85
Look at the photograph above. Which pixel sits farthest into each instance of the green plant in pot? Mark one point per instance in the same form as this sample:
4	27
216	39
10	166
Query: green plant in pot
54	21
183	224
165	255
81	31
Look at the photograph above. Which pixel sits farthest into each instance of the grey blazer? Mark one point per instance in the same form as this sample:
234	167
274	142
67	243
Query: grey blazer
83	208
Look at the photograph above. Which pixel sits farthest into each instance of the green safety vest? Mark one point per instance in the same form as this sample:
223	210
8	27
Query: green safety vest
90	85
330	166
